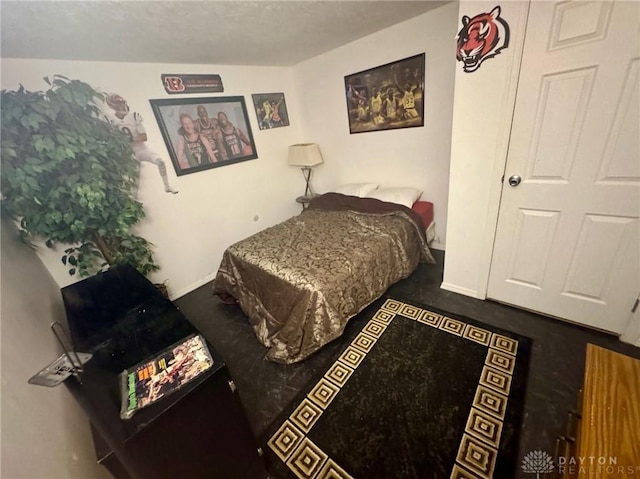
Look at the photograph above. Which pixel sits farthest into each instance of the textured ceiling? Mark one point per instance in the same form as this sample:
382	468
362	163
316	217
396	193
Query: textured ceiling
195	32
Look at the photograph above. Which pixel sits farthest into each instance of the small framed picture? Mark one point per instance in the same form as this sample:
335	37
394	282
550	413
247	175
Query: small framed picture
204	133
271	110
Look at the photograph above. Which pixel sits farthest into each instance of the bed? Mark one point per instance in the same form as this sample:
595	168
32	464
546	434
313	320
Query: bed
300	281
425	211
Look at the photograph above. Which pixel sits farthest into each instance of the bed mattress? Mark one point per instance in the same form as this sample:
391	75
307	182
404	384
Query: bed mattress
425	211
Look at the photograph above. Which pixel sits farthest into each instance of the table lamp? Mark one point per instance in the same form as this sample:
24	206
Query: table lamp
305	155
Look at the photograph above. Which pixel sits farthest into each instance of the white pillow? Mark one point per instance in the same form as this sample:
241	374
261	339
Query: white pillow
402	196
356	189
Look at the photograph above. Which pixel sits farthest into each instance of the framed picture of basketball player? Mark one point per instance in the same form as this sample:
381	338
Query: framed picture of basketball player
387	97
271	110
204	133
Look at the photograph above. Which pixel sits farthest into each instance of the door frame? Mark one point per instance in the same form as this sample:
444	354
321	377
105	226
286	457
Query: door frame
518	38
478	156
631	334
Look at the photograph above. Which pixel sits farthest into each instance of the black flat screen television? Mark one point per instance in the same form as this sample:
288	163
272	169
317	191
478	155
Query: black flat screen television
94	305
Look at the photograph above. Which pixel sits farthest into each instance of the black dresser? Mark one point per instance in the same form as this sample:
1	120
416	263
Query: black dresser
199	431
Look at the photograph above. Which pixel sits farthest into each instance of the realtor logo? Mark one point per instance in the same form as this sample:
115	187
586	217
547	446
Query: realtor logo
537	462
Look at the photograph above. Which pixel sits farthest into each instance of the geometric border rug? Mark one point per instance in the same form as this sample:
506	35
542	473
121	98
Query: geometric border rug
423	418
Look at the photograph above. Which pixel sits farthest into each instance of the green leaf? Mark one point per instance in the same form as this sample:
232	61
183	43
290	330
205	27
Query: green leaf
8	153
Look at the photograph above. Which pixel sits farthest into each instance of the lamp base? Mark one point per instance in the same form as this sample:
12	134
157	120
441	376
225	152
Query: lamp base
306	172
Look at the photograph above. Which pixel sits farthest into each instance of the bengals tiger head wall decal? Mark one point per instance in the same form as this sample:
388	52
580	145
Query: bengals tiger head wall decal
481	37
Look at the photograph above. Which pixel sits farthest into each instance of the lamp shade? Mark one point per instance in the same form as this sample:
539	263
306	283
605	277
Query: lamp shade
305	154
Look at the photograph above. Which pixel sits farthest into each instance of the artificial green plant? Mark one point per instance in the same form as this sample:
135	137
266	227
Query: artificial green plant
69	177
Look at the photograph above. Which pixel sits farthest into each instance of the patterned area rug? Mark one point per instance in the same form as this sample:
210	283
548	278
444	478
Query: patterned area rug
418	393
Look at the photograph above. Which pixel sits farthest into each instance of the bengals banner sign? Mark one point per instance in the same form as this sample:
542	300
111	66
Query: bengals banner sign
176	84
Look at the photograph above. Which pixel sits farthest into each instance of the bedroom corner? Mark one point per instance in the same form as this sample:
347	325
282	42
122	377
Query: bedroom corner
190	226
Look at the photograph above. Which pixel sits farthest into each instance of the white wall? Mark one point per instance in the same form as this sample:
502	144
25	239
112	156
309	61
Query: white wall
416	157
45	434
217	207
214	208
482	113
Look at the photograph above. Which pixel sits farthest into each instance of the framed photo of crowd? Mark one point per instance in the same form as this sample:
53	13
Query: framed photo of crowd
386	97
204	133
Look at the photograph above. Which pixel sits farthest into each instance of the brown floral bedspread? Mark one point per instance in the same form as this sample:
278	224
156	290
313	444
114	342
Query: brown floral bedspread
300	281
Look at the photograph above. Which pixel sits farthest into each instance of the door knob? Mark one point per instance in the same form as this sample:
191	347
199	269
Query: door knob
514	180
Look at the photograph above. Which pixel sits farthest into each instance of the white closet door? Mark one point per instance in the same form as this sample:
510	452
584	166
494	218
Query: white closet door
567	242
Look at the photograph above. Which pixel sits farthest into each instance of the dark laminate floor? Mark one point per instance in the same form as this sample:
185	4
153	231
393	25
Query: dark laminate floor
265	388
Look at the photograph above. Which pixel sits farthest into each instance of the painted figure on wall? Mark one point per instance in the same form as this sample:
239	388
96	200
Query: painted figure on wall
233	138
376	107
130	123
210	129
267	112
276	118
193	147
481	37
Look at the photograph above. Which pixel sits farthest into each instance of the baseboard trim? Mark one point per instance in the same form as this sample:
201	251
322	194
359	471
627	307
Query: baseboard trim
188	289
628	340
460	290
631	333
435	244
